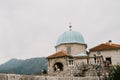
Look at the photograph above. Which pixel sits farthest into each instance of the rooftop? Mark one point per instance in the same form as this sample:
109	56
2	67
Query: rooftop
59	54
105	46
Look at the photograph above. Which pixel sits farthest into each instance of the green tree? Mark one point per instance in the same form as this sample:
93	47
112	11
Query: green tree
115	75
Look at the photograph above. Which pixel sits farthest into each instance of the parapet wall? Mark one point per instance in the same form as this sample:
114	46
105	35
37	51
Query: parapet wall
32	77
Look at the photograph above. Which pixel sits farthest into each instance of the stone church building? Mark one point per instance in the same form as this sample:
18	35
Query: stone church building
71	53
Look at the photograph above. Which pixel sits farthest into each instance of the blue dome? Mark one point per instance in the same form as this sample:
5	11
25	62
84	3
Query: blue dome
70	37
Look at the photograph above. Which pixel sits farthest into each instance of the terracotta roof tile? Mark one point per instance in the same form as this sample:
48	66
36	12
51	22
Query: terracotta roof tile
105	46
59	54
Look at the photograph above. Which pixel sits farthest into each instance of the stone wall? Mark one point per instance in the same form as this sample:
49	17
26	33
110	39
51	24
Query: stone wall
32	77
75	48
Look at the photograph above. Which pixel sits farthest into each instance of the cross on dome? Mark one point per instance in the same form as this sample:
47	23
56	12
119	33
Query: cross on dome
70	27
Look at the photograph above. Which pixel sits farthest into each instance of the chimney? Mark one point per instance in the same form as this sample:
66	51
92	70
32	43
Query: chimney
110	42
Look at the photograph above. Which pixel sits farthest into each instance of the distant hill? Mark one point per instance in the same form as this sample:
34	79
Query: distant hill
28	66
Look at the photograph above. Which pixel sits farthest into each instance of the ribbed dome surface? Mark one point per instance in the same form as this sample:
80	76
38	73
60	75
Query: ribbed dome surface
70	37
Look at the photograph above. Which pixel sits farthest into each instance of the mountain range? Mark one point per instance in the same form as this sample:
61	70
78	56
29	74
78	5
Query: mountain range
28	66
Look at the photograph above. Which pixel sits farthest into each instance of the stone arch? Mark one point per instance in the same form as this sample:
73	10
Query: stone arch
58	66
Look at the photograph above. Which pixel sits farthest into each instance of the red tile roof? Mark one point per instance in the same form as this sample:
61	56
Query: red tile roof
105	46
59	54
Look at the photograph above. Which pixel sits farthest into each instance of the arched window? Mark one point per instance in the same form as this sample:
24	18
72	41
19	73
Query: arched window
58	66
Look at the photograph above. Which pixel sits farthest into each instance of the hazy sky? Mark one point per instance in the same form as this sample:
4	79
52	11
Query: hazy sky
30	28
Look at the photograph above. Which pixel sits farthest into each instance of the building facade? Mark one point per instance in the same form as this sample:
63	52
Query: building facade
109	51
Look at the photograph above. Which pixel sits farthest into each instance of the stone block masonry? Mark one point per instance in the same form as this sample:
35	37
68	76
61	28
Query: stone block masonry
37	77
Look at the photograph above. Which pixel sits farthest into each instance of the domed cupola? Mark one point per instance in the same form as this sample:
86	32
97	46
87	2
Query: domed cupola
72	42
70	37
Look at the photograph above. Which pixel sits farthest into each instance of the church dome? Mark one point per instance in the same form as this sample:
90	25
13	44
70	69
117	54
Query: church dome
70	37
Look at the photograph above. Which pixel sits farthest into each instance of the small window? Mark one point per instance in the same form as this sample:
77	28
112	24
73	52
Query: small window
70	62
69	50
